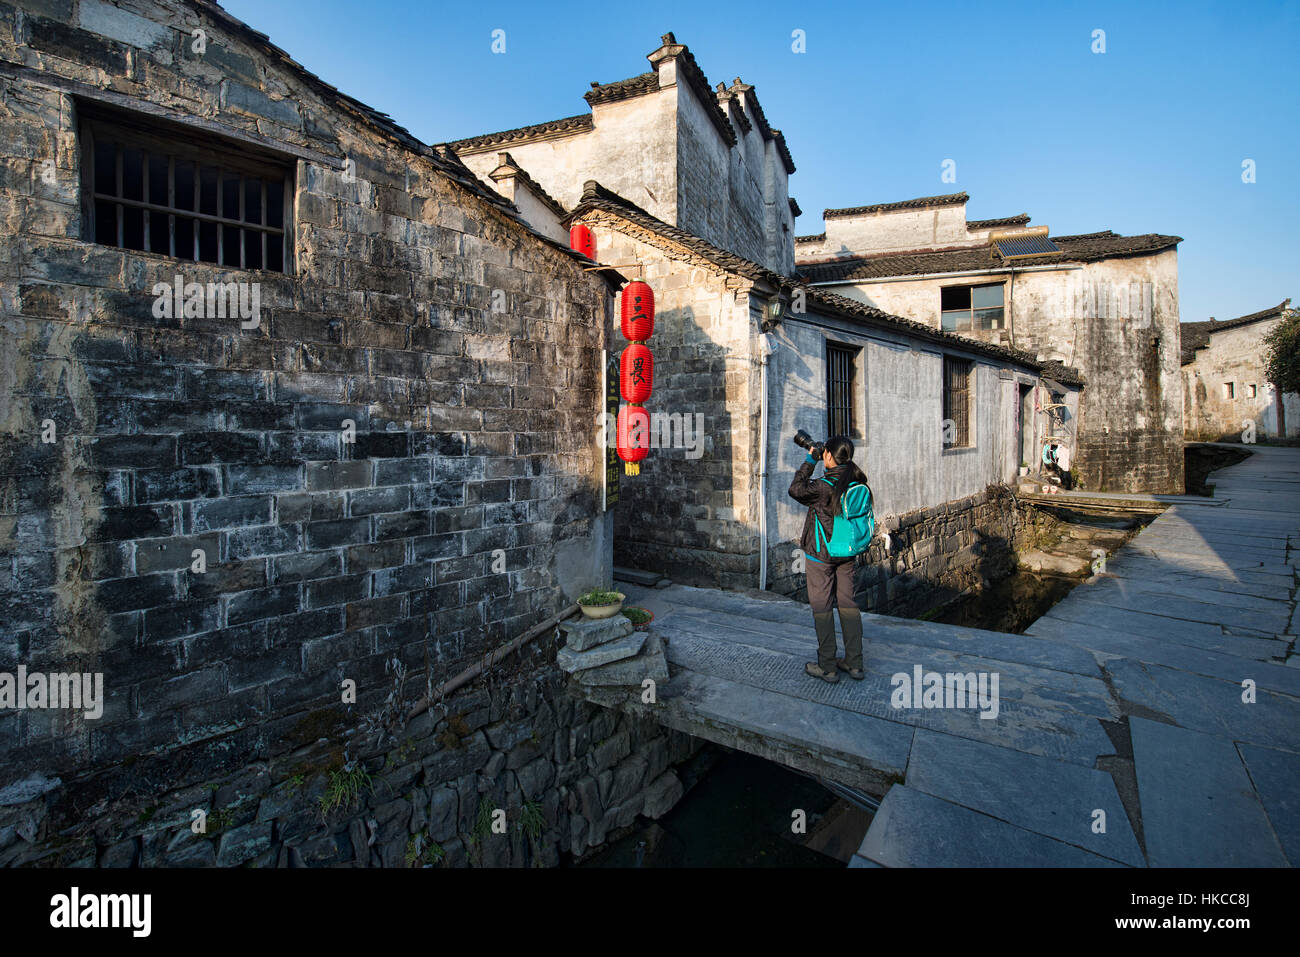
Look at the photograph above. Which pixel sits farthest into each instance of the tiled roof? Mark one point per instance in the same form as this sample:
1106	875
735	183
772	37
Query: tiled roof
794	207
622	89
1020	219
597	197
1090	247
1196	335
439	156
733	103
699	83
1066	375
521	174
760	118
921	202
380	122
819	238
538	131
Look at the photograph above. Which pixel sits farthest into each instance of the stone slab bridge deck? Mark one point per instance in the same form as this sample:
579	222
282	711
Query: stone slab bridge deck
1123	705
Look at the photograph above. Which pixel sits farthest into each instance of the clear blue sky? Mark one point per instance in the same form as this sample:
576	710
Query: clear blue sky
1148	137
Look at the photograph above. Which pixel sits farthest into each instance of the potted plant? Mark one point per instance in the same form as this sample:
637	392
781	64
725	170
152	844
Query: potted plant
640	617
598	603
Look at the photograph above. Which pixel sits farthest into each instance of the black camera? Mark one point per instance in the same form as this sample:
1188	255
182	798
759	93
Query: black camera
806	442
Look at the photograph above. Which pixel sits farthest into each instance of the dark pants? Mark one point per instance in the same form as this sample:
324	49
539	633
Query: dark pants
830	585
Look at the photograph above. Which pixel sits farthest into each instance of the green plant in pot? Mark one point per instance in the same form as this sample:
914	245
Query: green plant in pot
598	603
640	617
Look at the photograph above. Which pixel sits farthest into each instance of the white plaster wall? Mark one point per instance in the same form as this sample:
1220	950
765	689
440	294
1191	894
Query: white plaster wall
893	230
903	452
632	149
1237	356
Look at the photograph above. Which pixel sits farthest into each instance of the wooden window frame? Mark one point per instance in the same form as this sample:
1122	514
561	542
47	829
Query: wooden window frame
842	410
958	403
969	325
177	144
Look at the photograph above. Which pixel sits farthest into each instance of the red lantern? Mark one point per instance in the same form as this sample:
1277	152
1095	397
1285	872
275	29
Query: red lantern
637	307
636	373
633	437
582	239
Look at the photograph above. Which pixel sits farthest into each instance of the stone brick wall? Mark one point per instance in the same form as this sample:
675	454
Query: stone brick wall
505	775
692	518
464	512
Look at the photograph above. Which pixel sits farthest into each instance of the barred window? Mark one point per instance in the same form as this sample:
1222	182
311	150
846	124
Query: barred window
184	195
841	362
956	402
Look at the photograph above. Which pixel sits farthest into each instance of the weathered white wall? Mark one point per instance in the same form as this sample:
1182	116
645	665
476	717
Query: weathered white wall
900	392
893	230
631	149
661	151
1117	322
1236	356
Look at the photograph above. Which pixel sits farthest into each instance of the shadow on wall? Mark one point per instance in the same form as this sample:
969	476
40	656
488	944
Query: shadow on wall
676	516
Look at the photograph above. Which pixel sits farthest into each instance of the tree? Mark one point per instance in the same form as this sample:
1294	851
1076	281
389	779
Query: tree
1282	359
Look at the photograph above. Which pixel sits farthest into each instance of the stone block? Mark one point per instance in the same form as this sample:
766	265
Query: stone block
603	654
651	663
584	633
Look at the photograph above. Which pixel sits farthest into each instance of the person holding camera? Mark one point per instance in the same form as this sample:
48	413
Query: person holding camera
839	525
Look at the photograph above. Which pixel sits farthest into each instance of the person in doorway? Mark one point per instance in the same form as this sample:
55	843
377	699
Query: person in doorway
830	579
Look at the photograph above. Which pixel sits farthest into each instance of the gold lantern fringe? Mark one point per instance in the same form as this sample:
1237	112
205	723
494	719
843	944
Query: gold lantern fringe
631	468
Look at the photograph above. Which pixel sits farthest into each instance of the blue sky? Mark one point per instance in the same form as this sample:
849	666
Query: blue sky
1147	137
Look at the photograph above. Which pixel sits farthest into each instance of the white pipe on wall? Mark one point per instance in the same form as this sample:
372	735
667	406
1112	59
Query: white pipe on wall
766	346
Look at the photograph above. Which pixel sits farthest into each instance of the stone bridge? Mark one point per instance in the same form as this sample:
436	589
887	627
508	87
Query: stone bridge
1150	718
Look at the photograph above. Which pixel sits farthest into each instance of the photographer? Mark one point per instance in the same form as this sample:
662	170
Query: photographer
830	571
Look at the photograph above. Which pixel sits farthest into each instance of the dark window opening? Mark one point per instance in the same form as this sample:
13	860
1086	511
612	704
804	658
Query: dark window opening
971	308
956	402
841	362
179	193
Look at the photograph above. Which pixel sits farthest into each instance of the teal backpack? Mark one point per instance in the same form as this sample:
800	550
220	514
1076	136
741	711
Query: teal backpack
852	529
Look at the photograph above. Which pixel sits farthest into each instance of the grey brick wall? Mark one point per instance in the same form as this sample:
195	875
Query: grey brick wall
326	559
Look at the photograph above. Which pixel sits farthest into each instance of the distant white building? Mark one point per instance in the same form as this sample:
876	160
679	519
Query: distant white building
1102	303
1227	392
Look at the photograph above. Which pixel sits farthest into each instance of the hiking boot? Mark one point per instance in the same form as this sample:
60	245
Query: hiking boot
857	674
815	670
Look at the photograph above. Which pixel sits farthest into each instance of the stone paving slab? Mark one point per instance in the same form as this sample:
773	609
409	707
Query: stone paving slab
1209	705
1276	776
833	738
1053	798
1117	644
1210	637
1060	734
915	829
1199	808
1170	587
729	608
883	659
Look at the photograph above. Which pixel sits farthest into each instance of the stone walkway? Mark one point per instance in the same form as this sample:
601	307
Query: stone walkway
1121	736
